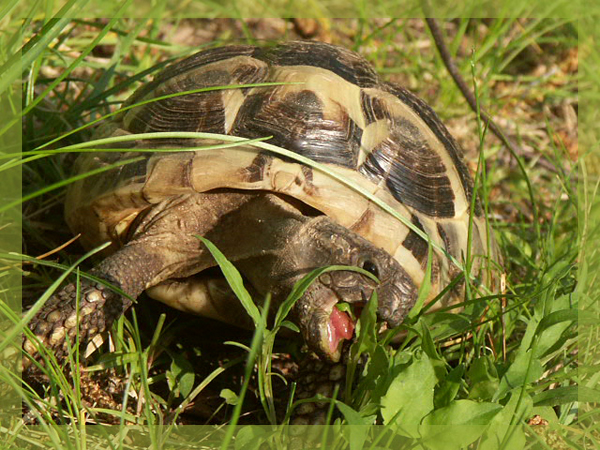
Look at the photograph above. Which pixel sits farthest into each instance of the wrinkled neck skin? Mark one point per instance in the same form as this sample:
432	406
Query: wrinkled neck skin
257	236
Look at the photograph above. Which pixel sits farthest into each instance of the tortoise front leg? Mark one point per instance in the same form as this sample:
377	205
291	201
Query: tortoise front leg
130	269
163	245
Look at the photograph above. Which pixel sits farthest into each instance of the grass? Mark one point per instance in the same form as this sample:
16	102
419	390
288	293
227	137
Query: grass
476	378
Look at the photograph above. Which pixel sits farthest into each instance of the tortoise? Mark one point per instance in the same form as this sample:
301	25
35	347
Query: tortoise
274	217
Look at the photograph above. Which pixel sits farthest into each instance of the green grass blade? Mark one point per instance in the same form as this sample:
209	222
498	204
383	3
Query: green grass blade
76	63
205	382
254	351
8	7
12	69
235	281
424	289
567	394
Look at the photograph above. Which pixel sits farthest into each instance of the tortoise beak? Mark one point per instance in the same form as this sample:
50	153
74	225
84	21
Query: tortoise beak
324	327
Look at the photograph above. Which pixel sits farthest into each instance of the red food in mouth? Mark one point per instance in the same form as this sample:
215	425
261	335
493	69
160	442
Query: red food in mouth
339	327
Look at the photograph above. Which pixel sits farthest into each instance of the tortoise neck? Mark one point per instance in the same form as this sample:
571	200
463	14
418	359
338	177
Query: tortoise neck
260	226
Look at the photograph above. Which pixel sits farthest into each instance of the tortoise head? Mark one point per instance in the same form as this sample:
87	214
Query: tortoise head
321	242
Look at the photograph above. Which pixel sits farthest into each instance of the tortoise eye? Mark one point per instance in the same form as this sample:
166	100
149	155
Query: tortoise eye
371	267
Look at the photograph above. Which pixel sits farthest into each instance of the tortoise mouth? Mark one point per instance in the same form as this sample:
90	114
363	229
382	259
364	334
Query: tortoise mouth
327	318
339	325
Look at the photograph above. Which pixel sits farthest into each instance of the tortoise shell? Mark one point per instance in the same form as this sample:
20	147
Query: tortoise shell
329	106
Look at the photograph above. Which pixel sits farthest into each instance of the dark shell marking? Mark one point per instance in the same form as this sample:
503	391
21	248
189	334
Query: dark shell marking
415	243
433	122
414	173
299	122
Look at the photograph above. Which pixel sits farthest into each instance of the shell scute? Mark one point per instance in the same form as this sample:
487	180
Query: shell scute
412	171
198	60
432	121
374	108
348	65
257	170
300	121
169	175
211	111
193	112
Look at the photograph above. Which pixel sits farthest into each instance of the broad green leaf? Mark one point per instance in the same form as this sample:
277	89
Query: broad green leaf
551	328
525	369
445	324
545	412
250	437
458	424
506	429
429	347
230	397
448	388
353	417
564	315
464	412
180	376
359	425
378	377
484	379
410	397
